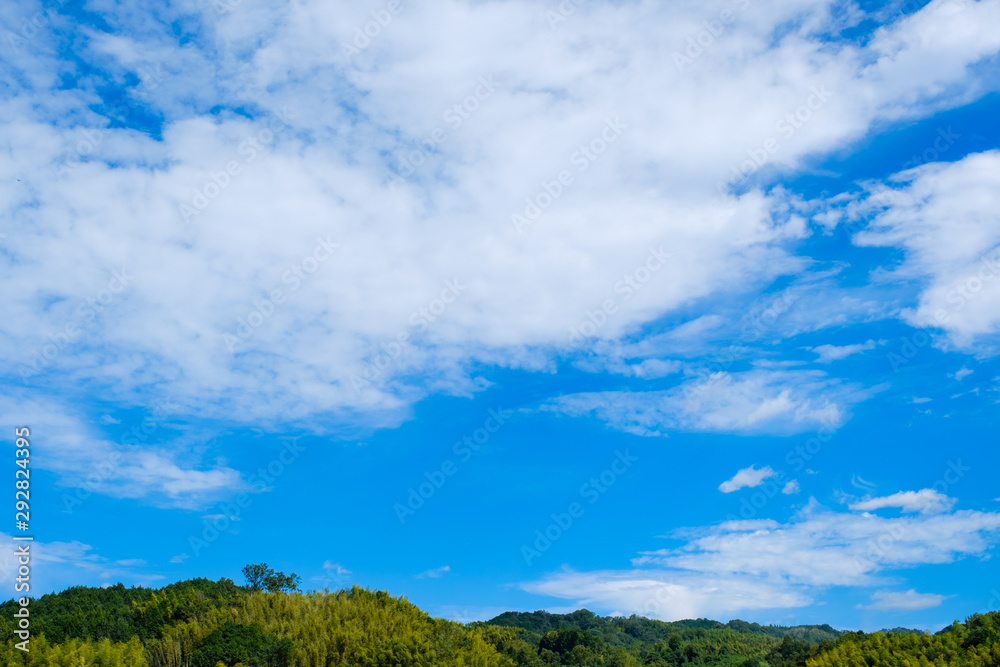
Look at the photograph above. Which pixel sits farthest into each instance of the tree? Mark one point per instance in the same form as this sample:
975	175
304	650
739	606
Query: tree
242	643
260	577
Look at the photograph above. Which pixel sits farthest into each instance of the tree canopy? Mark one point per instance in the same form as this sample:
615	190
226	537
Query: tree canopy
260	577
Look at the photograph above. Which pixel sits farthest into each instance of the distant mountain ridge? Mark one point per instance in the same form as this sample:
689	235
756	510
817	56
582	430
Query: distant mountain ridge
622	630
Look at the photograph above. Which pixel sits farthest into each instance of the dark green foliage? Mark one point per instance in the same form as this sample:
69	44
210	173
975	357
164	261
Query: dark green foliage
983	630
355	627
512	643
260	577
243	643
976	643
118	613
789	653
201	623
625	631
903	631
807	633
636	640
570	647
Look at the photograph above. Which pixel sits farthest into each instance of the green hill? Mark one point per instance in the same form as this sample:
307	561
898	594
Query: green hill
203	623
200	624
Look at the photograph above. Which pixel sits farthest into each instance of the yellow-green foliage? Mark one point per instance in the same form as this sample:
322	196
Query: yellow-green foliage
78	653
972	644
355	627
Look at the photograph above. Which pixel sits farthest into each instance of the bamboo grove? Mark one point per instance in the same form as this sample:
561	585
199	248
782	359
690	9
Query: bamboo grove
203	623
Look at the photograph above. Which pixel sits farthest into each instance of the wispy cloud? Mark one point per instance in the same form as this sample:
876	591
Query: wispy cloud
746	478
63	564
764	564
436	573
943	215
336	568
759	401
962	373
925	501
202	103
904	601
830	353
82	457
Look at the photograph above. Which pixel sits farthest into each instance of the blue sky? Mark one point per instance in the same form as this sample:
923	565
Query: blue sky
684	310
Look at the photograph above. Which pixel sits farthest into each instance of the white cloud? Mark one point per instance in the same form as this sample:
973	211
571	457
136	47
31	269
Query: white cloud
58	565
906	601
829	353
918	400
791	488
925	501
763	564
859	482
327	176
336	568
746	478
436	573
758	401
666	595
157	468
945	217
961	373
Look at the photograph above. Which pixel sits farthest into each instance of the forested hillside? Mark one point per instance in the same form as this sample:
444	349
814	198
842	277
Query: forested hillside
621	631
267	623
188	626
